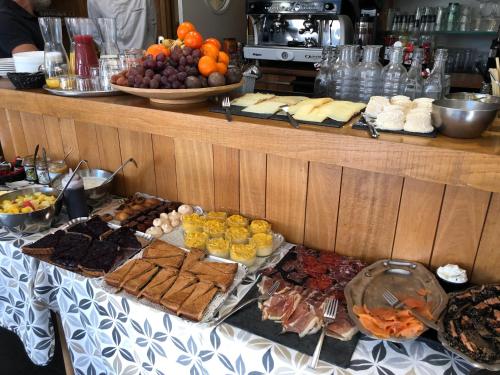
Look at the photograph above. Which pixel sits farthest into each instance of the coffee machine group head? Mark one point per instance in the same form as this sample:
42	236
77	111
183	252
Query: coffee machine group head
295	30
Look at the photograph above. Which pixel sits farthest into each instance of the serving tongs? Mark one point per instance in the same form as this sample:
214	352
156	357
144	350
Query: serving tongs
290	118
260	298
131	160
371	125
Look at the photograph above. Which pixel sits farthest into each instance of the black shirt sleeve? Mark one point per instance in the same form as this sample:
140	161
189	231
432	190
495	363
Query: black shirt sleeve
13	32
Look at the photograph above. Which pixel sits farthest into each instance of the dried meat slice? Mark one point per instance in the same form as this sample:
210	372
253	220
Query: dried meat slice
134	286
161	249
303	321
159	285
196	304
281	305
116	277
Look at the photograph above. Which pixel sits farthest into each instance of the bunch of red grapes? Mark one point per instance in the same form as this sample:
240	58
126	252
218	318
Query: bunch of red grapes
177	71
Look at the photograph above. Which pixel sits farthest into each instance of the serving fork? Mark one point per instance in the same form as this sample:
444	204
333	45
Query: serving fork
329	316
261	298
226	104
291	120
397	304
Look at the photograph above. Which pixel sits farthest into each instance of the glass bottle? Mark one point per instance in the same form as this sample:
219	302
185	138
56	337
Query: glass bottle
414	81
87	41
322	77
72	28
394	74
434	85
368	73
55	58
344	76
107	29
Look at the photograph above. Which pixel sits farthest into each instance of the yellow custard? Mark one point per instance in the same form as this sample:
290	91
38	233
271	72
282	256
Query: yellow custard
196	240
192	223
237	234
260	226
263	243
237	221
214	228
217	215
243	253
218	247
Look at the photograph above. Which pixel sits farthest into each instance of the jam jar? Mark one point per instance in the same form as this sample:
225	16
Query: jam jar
29	168
42	172
56	168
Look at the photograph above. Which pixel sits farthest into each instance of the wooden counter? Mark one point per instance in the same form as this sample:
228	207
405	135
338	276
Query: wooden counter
431	200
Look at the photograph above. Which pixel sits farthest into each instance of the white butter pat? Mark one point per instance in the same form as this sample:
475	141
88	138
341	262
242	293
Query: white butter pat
452	273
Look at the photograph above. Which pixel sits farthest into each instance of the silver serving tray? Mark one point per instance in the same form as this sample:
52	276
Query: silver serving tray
399	276
217	302
82	94
480	365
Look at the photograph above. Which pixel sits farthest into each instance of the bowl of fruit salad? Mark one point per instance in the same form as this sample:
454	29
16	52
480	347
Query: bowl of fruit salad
182	71
29	210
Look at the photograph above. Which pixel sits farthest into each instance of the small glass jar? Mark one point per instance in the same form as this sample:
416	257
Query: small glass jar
29	168
42	172
56	168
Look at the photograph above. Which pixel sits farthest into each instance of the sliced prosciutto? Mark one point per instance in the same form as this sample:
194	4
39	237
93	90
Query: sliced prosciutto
307	277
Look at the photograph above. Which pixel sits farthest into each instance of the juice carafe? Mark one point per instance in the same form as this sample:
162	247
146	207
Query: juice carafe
72	27
55	58
85	55
107	30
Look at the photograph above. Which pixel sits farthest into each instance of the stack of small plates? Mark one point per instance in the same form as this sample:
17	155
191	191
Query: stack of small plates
6	66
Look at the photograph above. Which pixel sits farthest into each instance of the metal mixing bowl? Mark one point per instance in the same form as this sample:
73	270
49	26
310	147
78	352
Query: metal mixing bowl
483	98
33	222
462	118
95	196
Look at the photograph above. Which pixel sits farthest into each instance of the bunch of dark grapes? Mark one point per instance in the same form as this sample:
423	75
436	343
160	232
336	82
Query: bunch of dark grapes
177	71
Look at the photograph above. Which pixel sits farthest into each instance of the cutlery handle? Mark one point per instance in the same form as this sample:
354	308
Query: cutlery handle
315	358
229	115
423	319
373	131
224	317
294	122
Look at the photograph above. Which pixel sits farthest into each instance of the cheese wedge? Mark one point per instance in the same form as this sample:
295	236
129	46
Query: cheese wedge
267	107
307	105
250	99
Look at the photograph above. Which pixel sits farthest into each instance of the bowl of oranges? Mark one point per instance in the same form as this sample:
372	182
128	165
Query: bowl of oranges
186	70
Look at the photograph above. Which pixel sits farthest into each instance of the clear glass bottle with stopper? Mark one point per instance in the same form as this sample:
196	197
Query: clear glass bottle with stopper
344	76
434	85
368	72
414	81
394	74
323	76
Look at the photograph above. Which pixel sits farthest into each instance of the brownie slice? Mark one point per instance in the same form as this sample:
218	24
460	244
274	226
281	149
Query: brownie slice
44	245
101	255
71	249
81	228
125	238
97	226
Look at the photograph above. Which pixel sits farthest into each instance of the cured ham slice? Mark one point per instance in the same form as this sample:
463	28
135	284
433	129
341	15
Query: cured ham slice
281	304
303	321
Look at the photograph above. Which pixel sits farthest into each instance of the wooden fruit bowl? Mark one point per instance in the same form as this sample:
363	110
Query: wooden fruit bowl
179	96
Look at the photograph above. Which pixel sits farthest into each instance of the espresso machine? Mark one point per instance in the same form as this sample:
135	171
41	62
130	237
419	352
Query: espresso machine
295	30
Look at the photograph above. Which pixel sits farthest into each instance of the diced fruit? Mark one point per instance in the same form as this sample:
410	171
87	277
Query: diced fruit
193	39
216	79
184	28
207	65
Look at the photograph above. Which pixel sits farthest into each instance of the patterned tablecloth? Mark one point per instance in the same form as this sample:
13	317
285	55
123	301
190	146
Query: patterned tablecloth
113	334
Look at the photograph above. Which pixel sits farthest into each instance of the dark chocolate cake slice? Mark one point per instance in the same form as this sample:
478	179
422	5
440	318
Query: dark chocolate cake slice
81	228
71	248
45	245
101	255
97	226
125	238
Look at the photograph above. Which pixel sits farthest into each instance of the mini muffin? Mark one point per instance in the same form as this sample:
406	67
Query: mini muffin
237	234
193	223
196	240
260	226
217	215
214	228
263	243
218	247
243	253
237	221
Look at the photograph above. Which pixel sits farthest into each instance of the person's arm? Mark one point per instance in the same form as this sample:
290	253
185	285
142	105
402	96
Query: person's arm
24	48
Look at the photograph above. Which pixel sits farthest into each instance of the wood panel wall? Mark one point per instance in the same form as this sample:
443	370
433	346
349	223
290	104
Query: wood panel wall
352	212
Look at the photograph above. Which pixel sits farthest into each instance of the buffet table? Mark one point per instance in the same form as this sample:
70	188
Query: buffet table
110	334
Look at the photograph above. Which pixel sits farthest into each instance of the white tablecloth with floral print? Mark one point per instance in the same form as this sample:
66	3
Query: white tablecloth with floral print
112	334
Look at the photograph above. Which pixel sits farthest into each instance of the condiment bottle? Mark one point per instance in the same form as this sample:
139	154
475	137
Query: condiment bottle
30	168
74	196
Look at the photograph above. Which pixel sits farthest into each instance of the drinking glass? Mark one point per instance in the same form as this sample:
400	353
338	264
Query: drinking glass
107	68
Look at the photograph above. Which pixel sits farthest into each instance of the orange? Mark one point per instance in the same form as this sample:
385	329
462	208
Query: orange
184	28
207	65
214	42
193	39
221	68
156	49
210	49
223	58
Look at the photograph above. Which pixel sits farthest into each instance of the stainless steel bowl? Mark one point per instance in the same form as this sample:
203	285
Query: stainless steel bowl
33	222
483	98
95	196
462	118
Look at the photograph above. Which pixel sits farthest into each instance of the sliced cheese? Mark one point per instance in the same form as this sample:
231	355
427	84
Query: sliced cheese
267	107
250	99
341	111
307	105
313	116
289	100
